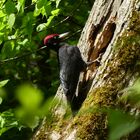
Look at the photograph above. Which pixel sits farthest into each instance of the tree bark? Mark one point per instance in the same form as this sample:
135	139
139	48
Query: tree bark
112	32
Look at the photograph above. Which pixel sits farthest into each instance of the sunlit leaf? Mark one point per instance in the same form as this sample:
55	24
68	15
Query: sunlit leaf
3	83
2	26
49	20
37	11
22	2
2	95
29	97
33	1
0	100
55	12
11	20
2	14
20	5
57	3
7	121
41	27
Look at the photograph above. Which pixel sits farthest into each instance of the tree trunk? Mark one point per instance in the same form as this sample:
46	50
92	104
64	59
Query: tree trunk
112	32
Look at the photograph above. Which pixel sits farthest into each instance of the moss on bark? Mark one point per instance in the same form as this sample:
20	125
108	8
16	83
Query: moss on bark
93	126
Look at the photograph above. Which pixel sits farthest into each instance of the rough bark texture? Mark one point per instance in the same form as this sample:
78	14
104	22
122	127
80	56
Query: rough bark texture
113	32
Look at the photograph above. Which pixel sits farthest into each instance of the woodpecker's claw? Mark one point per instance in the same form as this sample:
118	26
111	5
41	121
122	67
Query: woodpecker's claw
94	61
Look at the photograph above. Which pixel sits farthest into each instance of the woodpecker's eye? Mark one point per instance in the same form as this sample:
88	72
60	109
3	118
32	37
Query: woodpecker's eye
55	37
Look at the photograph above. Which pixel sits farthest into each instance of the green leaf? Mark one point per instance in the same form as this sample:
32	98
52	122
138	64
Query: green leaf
27	118
121	124
41	27
28	22
20	5
57	3
29	97
1	37
55	12
1	14
132	94
37	11
40	4
49	21
11	20
21	2
7	121
48	9
44	9
0	100
3	83
34	1
10	7
8	50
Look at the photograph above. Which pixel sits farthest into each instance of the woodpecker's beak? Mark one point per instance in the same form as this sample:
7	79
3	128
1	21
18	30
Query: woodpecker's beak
64	35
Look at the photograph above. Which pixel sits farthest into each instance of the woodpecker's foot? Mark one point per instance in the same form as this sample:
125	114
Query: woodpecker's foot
98	60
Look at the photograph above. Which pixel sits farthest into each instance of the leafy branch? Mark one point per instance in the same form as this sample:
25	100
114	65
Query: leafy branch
31	52
22	56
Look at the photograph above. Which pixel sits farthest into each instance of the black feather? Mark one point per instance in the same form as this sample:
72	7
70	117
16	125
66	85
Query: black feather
71	64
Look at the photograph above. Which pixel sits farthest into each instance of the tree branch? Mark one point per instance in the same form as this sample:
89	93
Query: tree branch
22	56
29	53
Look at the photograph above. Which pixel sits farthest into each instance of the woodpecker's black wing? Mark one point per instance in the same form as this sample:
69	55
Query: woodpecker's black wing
71	64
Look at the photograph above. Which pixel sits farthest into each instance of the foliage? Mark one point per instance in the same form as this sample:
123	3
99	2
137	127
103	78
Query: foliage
30	110
7	121
121	123
23	25
32	107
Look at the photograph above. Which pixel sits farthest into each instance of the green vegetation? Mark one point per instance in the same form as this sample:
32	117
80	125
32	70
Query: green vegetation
28	75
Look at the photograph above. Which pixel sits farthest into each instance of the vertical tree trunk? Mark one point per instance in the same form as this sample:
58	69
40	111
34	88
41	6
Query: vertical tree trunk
112	31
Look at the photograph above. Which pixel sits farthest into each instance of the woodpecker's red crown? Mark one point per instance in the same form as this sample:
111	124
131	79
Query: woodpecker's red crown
47	38
55	38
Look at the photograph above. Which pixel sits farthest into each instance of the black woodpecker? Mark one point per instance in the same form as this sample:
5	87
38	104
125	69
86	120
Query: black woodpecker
70	63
